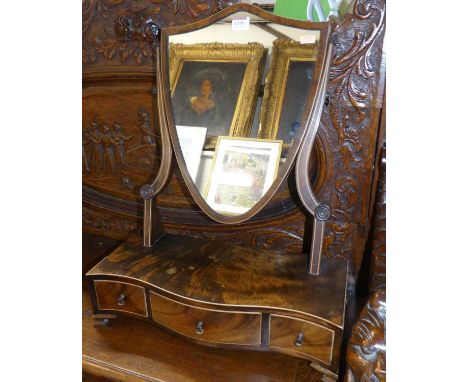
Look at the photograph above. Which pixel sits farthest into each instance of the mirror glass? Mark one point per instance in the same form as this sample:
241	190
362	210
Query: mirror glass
239	89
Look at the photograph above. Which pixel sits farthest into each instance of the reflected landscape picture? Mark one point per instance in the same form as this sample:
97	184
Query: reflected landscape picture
250	169
243	170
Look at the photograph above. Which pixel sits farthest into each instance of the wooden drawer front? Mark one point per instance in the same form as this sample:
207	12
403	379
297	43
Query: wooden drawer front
214	326
317	340
114	295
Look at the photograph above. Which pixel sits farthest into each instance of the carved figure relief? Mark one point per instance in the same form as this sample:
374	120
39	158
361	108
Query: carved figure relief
114	154
107	146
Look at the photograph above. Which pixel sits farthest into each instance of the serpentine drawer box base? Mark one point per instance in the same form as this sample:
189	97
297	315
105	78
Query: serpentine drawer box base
226	296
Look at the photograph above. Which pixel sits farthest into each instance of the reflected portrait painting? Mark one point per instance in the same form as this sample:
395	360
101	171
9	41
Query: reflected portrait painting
215	85
206	94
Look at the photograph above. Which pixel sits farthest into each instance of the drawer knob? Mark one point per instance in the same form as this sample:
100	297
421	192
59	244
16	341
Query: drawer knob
199	328
121	299
299	341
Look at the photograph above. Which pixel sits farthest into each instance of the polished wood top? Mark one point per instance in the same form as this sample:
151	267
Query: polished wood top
217	272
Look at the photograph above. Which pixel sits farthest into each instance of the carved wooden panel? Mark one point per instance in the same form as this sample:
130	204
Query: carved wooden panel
366	353
115	31
103	222
120	138
350	126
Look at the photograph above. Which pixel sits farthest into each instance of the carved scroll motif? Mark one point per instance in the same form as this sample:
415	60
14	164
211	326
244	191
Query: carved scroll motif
135	24
366	355
134	28
193	7
92	9
350	84
218	5
354	79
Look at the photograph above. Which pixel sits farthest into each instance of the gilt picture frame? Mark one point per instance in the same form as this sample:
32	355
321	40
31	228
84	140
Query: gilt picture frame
216	85
287	85
243	170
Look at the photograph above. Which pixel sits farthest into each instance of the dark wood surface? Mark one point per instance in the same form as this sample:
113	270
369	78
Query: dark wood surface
237	328
109	297
131	350
217	272
94	249
317	341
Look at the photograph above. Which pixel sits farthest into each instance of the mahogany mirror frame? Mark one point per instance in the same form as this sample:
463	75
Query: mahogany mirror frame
301	148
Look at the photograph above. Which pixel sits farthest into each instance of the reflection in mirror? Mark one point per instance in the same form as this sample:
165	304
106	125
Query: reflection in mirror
239	88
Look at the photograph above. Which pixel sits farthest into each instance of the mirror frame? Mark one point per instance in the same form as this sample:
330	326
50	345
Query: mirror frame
314	104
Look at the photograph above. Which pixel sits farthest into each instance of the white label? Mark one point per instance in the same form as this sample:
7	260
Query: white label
241	24
307	39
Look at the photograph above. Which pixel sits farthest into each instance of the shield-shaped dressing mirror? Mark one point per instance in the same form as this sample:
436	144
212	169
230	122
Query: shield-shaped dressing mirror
240	86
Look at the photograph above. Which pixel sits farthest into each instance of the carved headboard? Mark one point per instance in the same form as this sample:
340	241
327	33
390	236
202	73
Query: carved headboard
121	139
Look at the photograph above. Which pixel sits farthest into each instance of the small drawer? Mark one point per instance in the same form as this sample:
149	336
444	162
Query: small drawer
222	327
114	295
302	337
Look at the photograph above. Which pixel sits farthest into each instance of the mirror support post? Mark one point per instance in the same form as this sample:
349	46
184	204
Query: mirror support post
152	227
320	211
316	248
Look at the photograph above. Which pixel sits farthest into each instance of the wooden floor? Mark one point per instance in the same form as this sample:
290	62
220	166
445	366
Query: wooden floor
130	350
